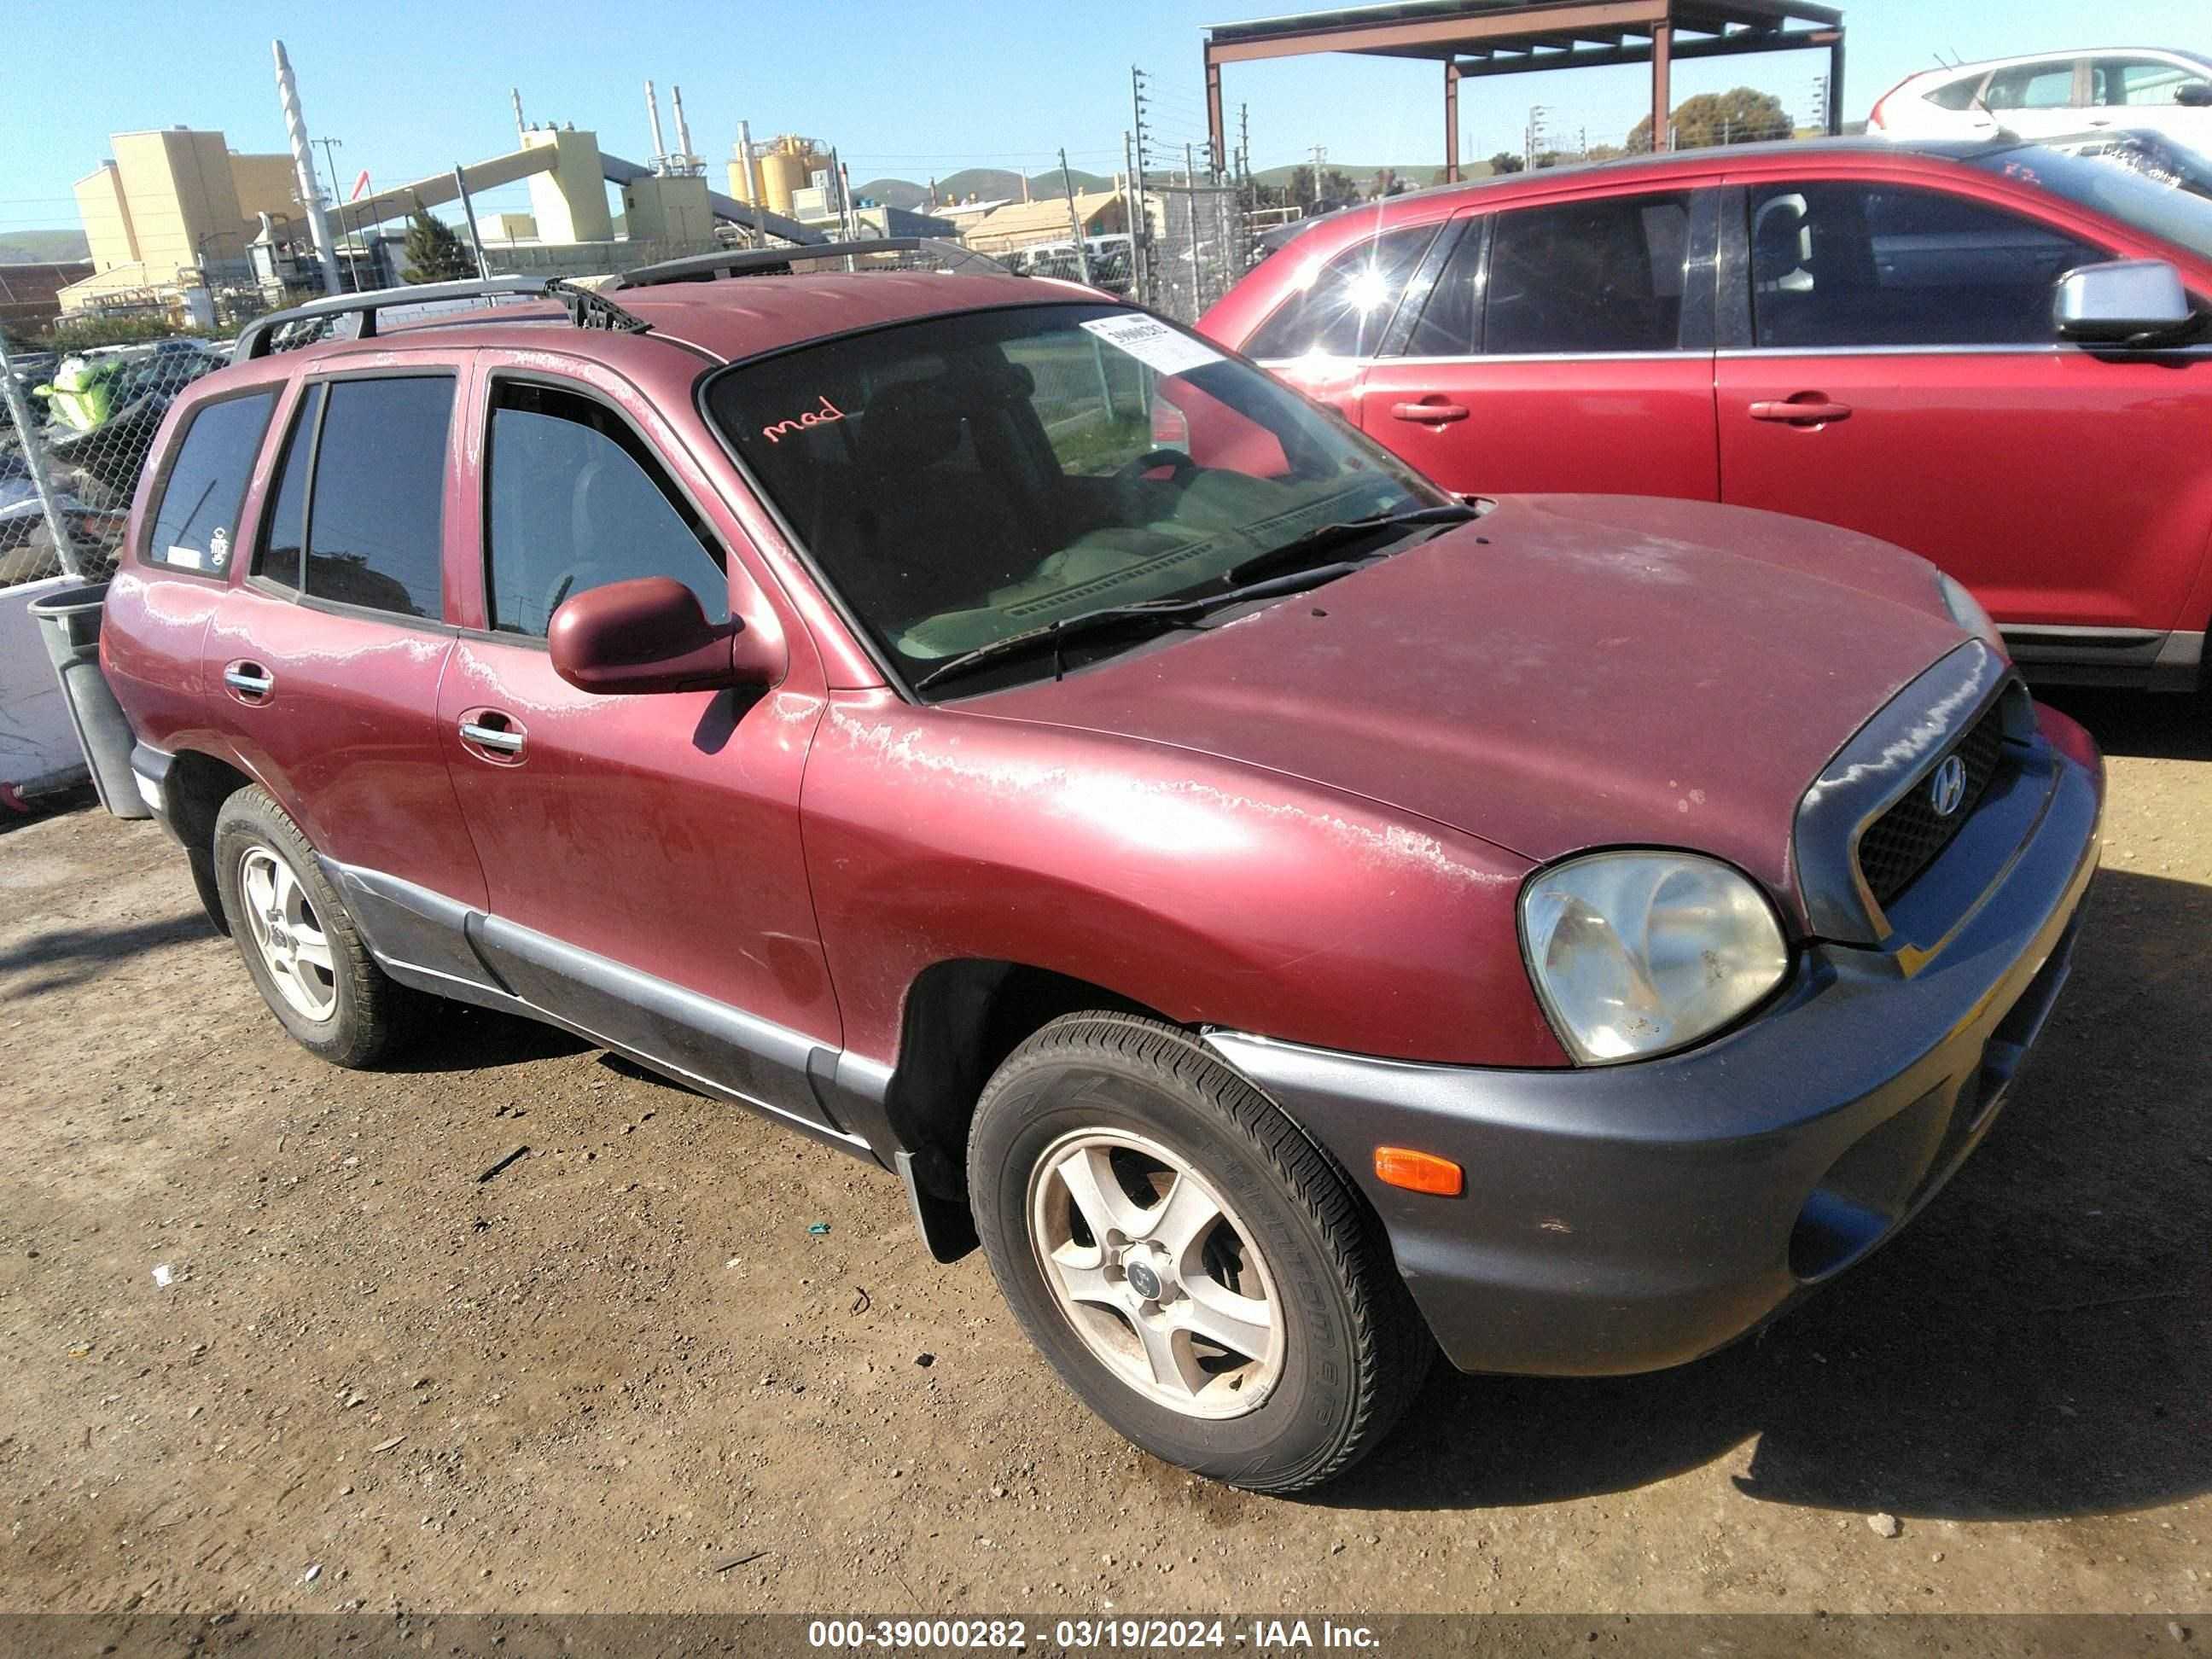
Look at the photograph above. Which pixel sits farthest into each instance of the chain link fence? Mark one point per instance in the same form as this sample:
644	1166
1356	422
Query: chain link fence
1201	245
75	432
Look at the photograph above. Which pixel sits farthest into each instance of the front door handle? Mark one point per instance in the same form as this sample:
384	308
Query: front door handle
1806	409
1428	412
501	739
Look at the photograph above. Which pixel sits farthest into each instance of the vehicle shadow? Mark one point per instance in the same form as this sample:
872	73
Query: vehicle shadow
457	1037
2038	1344
77	954
2150	725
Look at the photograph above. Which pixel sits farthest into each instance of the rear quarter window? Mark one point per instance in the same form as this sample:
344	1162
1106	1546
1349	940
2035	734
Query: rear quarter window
1956	94
195	520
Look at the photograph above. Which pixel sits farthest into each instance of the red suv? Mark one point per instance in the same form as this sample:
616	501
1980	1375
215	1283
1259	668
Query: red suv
1994	354
1296	918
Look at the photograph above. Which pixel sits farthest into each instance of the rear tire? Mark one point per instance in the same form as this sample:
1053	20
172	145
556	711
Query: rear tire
1199	1273
301	948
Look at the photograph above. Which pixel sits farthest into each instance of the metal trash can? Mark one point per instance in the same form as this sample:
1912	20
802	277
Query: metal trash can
68	622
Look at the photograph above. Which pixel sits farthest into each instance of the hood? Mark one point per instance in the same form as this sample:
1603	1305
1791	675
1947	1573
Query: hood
1565	673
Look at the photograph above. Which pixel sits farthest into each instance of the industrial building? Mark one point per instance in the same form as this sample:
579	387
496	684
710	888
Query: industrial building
169	207
1026	224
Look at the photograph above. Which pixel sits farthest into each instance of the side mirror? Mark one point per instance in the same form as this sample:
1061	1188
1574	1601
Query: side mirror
650	635
2118	300
2194	95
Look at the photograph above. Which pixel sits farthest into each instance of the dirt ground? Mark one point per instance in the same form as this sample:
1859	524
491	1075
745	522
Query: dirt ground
624	1374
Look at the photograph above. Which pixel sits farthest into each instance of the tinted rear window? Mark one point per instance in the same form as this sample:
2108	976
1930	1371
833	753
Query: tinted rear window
283	527
196	522
376	526
1604	274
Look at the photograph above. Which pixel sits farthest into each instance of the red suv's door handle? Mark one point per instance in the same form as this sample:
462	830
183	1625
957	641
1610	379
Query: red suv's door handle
1806	409
249	682
1429	411
493	736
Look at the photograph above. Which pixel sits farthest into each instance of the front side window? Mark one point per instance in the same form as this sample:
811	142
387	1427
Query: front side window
1604	274
197	521
2138	82
2031	86
376	515
1343	308
576	501
967	478
1838	265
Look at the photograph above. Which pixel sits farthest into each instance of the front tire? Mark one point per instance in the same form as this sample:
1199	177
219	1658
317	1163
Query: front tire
301	948
1198	1270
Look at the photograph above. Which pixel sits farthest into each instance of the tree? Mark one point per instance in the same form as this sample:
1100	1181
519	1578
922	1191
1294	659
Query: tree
434	254
1506	162
1738	116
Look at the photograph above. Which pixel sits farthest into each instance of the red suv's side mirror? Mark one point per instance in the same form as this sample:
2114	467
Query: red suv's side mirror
650	635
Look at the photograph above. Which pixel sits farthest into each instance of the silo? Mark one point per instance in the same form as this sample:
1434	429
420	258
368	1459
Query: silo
789	166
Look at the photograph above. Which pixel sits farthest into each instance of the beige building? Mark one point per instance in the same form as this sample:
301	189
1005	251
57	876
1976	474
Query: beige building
169	203
1022	224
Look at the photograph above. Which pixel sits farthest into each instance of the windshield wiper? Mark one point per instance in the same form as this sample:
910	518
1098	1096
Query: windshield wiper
1055	636
1301	550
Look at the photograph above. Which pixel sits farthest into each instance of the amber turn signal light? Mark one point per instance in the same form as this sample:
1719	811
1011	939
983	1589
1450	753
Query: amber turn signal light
1417	1172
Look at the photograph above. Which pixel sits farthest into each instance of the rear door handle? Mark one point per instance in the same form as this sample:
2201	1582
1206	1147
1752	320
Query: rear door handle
1438	413
501	739
250	680
1806	409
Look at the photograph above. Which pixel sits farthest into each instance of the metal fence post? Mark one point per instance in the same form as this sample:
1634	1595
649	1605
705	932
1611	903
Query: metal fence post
34	463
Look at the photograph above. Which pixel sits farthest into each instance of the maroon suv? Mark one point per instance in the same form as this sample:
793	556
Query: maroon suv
1296	917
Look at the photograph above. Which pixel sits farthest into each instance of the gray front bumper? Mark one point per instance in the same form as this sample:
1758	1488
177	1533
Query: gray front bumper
1631	1217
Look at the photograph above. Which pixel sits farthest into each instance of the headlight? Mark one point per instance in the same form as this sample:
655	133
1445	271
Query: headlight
1637	954
1966	610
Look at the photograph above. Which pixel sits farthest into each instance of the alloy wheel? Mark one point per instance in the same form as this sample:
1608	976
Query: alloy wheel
1156	1274
289	934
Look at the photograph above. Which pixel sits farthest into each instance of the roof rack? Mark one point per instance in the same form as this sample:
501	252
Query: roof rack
778	261
586	308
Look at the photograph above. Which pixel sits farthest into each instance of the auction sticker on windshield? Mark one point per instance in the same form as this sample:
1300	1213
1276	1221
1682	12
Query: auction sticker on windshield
1154	344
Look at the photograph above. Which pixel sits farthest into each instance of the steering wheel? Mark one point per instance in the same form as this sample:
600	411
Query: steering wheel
1130	478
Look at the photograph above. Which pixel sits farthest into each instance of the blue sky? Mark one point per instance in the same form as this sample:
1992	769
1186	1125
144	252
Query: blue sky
908	89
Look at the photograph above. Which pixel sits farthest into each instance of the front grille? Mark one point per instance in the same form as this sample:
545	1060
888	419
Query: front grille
1904	841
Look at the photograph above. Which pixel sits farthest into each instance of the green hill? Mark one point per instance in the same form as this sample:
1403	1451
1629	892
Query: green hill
1416	176
984	183
41	247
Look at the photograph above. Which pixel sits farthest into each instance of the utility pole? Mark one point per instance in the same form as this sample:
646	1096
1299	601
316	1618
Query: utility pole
1321	156
469	212
1244	155
1535	136
1190	209
1820	103
1140	241
1075	220
337	200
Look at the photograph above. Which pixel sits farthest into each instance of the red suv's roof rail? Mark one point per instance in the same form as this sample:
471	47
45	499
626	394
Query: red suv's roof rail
586	309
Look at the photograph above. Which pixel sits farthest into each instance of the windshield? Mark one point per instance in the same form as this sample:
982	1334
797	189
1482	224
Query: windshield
969	477
2144	181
